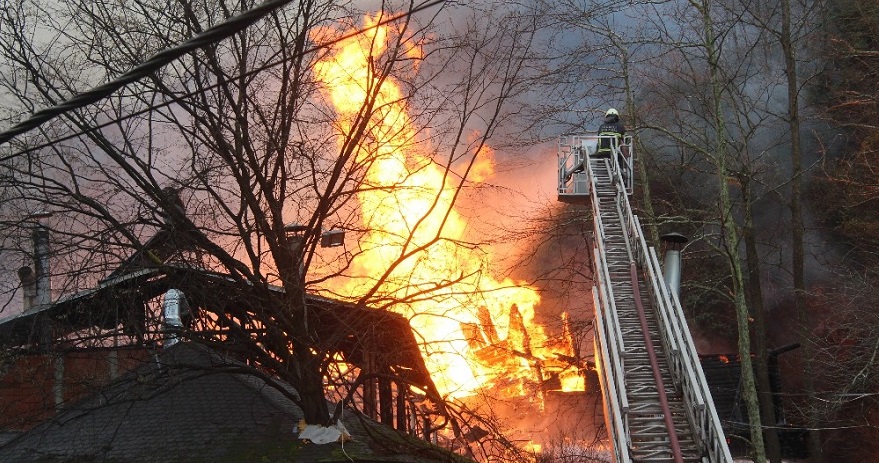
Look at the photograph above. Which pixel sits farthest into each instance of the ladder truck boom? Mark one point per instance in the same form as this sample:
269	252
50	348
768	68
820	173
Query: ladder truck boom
657	404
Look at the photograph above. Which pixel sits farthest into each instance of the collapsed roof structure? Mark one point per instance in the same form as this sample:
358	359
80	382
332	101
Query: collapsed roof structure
123	312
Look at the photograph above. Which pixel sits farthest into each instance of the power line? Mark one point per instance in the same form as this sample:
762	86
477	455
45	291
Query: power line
214	34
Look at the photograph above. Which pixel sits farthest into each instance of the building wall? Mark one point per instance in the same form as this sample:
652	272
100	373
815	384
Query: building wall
35	386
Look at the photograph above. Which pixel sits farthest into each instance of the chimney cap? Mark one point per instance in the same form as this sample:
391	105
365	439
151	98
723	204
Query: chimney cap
294	227
674	237
26	273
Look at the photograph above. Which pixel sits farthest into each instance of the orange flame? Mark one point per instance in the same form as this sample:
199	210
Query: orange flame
477	331
570	378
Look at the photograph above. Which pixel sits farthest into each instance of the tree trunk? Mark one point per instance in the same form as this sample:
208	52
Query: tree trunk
305	362
731	235
797	231
758	335
646	203
311	389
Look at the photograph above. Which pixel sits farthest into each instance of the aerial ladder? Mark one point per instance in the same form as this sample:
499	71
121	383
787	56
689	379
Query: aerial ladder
657	404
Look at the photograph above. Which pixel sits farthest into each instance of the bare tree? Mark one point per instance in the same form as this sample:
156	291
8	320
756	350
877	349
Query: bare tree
703	86
234	151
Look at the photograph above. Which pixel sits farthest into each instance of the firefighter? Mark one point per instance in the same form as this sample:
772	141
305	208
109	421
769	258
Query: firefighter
612	127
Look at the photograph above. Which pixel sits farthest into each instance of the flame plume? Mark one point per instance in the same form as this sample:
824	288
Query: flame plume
477	332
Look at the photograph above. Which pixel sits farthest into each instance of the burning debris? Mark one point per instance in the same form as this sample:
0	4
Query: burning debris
521	371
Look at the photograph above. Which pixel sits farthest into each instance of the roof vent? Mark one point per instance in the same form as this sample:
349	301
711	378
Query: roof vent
174	309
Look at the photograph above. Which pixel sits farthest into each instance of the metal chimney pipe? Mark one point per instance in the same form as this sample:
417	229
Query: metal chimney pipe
173	309
671	271
295	234
43	284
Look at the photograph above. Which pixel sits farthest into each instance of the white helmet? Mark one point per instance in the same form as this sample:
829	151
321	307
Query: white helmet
611	112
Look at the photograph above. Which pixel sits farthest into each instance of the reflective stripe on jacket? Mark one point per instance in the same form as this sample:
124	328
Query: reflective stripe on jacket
611	127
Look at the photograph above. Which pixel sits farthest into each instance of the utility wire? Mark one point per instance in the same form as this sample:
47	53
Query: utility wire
214	34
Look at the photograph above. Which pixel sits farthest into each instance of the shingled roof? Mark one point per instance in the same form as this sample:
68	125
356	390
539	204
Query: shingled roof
192	404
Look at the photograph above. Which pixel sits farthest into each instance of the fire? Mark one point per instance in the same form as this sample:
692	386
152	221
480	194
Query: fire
478	332
533	447
570	378
483	168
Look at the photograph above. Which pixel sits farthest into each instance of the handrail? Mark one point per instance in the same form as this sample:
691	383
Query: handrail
610	389
611	338
601	261
614	336
681	350
577	179
654	366
654	274
709	422
574	151
675	335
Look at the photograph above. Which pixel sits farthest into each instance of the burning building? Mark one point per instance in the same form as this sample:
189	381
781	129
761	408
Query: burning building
154	333
474	337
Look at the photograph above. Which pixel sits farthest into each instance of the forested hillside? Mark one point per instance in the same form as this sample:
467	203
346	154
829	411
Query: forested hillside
847	186
845	196
830	381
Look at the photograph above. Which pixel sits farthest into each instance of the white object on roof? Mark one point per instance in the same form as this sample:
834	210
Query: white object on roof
318	434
